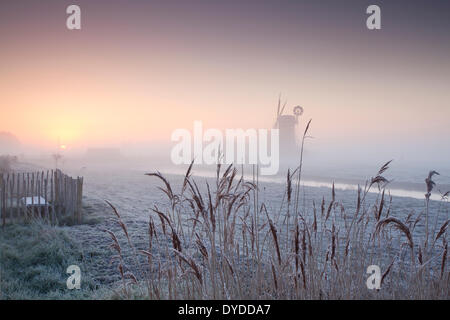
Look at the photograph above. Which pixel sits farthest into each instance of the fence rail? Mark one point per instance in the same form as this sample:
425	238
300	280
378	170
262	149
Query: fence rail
46	194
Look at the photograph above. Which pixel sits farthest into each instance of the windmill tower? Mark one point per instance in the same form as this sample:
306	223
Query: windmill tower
287	124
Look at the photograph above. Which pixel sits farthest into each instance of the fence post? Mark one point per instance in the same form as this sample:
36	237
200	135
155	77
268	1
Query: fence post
12	186
2	199
18	197
56	202
80	198
6	186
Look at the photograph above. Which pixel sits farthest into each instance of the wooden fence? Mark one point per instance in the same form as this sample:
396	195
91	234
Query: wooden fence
50	195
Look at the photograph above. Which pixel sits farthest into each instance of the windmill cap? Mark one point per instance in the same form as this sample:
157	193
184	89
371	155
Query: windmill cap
298	110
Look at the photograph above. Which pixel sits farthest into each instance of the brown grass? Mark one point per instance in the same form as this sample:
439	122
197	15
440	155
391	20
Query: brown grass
221	242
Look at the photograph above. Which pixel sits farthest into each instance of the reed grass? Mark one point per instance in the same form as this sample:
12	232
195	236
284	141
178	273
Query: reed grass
219	241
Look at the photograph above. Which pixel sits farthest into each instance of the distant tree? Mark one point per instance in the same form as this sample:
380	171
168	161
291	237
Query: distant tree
57	157
9	144
6	162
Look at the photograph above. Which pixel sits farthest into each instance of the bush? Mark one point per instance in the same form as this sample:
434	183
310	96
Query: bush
6	163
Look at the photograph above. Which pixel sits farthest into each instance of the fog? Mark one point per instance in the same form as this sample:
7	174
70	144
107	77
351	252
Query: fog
136	73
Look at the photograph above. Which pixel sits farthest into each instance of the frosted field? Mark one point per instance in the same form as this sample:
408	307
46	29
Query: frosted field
134	194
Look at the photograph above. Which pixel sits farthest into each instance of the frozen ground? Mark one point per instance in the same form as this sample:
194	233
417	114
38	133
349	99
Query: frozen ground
134	194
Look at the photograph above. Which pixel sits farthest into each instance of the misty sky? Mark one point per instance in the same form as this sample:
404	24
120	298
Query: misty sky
137	70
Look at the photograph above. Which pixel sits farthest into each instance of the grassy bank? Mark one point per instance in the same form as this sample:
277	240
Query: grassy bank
33	262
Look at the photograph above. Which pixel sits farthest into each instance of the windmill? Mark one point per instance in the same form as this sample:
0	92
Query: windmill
287	124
